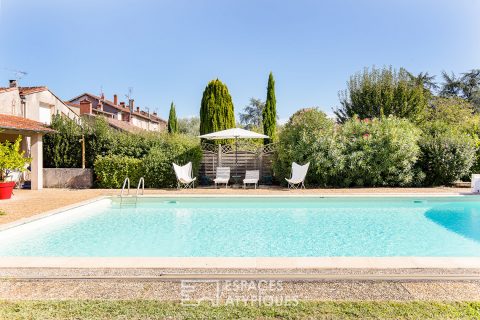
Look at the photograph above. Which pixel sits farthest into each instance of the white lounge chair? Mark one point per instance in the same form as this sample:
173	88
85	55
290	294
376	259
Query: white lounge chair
299	173
184	176
251	177
15	176
223	176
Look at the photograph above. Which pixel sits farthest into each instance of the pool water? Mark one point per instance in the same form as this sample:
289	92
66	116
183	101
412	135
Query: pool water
255	227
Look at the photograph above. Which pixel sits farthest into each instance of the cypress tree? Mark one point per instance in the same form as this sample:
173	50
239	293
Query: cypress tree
216	110
172	120
269	114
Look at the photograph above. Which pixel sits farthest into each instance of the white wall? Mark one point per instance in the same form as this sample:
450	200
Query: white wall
10	103
46	99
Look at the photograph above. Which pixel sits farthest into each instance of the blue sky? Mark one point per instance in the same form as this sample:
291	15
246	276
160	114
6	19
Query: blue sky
169	50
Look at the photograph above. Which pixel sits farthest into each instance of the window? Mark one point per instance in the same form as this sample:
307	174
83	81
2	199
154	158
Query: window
45	114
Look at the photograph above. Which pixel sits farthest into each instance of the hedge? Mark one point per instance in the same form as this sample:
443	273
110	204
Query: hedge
156	166
111	171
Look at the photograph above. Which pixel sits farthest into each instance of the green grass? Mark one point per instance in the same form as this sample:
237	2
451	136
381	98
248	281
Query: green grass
135	310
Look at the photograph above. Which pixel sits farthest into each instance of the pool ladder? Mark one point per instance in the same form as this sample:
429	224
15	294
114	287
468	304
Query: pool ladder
126	186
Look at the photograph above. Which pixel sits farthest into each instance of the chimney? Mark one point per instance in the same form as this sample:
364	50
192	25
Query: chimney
131	104
115	99
154	113
85	107
12	83
122	104
138	109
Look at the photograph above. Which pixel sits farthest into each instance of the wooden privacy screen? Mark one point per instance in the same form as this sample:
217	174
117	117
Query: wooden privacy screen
250	157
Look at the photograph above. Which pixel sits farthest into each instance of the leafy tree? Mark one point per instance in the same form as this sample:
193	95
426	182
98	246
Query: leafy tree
189	126
450	112
425	80
216	111
376	93
11	158
451	86
172	120
252	114
467	86
269	113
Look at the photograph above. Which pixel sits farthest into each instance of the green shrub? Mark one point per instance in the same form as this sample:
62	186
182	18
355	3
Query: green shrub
157	164
111	171
63	148
308	136
378	152
446	156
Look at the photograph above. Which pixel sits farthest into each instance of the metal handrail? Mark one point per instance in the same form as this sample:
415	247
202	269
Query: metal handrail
141	181
123	187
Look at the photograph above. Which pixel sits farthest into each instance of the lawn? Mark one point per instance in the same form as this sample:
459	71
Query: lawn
47	310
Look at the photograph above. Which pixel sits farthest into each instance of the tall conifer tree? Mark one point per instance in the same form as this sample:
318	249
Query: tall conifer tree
269	114
172	120
216	111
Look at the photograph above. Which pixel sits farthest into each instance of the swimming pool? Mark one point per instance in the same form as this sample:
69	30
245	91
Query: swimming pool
255	227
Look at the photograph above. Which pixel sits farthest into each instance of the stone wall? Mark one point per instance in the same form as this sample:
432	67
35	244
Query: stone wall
73	178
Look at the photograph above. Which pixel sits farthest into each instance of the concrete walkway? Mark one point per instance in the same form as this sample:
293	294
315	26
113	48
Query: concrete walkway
221	285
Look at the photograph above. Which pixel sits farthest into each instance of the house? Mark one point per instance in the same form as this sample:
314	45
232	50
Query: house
27	111
118	114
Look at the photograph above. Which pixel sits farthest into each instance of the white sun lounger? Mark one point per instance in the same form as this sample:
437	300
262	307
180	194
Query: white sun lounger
223	176
251	177
299	173
184	176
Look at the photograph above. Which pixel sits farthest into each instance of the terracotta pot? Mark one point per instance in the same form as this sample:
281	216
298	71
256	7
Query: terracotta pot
6	189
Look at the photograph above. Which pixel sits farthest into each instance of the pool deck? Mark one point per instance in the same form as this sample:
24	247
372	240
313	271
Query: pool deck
324	278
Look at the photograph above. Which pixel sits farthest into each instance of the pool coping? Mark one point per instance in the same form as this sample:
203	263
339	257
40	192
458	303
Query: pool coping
237	262
244	262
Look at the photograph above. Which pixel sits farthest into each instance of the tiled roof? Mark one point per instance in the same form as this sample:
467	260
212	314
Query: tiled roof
30	90
123	109
72	104
22	124
24	90
6	89
123	125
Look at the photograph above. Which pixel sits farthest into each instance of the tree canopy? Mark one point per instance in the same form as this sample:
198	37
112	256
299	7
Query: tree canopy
216	111
376	93
251	117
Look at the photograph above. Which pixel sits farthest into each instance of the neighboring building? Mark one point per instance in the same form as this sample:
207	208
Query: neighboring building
28	111
118	112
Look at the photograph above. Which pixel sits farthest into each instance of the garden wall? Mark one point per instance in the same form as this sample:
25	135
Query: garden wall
74	178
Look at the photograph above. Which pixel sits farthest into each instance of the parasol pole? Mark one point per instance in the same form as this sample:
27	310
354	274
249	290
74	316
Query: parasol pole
236	158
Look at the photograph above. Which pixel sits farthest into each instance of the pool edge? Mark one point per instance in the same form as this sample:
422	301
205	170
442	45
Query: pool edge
244	262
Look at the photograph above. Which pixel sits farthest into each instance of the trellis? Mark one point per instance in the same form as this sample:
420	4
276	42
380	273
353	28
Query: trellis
250	156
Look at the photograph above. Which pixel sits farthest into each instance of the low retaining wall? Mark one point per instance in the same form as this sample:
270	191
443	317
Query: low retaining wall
74	178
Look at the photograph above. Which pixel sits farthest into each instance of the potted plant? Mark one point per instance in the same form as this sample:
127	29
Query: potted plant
11	159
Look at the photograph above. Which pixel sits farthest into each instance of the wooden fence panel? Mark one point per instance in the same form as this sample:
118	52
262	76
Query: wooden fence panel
249	157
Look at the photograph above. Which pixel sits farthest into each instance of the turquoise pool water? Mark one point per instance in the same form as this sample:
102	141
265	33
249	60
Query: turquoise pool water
261	227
